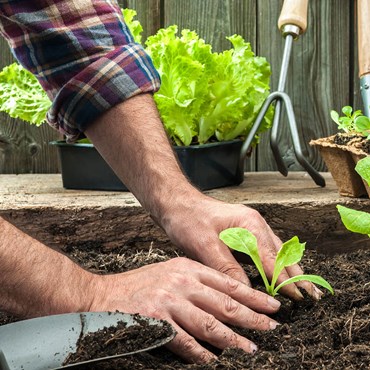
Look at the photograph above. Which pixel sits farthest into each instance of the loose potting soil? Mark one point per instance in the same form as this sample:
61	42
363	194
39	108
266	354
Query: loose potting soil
119	339
331	334
360	142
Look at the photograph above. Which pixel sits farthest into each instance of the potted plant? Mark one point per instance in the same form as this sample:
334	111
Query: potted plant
342	151
208	102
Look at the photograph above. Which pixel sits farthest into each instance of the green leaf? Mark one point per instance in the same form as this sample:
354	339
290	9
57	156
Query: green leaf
362	125
363	169
21	95
289	254
205	94
244	241
347	110
355	221
134	26
335	116
313	278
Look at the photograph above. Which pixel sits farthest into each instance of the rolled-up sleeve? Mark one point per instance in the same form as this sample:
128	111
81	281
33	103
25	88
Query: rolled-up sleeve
83	55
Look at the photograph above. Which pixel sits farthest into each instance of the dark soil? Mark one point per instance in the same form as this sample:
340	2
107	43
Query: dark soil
333	333
358	141
120	339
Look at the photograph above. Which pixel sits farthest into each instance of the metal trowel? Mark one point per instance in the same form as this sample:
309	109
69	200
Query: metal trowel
45	342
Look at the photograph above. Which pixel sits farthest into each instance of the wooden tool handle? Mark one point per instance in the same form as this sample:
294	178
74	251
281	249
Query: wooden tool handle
363	16
294	12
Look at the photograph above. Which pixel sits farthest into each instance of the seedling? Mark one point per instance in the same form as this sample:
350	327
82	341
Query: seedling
357	221
352	122
289	254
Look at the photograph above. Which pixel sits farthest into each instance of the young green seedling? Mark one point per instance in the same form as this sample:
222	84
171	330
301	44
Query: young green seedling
357	221
352	122
289	254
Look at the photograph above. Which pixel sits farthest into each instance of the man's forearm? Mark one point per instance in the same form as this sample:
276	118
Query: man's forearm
36	280
131	137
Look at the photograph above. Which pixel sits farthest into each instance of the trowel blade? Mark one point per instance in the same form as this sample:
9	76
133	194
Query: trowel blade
45	342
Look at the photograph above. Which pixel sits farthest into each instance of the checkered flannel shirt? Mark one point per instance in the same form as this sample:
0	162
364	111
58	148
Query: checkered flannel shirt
82	53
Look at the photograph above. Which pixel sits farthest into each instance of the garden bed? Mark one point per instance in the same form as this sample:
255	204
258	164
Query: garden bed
331	334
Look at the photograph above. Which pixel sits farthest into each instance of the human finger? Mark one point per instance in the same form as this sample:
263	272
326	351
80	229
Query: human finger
247	296
221	259
228	310
309	287
204	326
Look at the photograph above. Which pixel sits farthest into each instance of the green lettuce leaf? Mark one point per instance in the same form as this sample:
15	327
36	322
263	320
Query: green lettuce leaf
21	95
238	89
181	93
206	94
290	253
134	26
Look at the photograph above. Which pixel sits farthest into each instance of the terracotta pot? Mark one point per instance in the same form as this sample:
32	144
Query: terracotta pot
341	161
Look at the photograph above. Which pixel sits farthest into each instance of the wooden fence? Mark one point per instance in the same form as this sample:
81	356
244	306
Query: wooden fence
322	74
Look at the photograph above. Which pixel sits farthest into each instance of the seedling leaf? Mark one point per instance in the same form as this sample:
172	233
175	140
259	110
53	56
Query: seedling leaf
362	125
244	241
313	278
355	221
335	116
347	110
290	253
363	169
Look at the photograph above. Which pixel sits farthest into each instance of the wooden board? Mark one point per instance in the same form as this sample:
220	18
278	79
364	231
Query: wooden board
40	206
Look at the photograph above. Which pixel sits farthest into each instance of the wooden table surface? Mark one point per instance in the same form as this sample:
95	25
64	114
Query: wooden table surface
292	205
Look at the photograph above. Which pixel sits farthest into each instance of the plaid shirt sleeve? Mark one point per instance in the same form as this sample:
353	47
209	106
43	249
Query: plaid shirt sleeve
82	53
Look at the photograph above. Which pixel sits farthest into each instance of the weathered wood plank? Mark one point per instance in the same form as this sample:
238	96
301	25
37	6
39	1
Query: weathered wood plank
292	206
148	13
23	148
319	78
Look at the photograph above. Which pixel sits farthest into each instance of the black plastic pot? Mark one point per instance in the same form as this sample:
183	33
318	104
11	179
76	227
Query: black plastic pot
207	166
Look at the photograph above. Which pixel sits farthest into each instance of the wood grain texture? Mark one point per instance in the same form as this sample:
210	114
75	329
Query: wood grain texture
319	75
24	148
291	206
149	13
323	73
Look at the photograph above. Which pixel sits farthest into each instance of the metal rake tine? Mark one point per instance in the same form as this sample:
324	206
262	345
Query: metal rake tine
274	140
319	180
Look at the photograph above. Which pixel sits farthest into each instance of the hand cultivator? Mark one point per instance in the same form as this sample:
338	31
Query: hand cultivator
292	23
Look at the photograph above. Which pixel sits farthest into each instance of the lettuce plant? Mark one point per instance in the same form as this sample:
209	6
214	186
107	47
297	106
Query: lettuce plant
352	121
289	254
207	95
357	221
21	95
204	95
133	25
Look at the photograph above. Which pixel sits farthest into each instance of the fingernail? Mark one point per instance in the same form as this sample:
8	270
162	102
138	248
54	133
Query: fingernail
298	294
274	303
254	348
273	324
316	293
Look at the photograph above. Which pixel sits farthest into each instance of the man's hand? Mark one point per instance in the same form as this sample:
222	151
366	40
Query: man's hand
194	226
197	300
147	165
